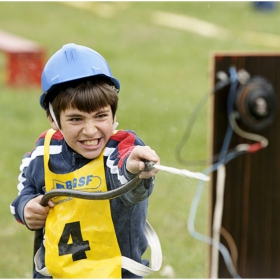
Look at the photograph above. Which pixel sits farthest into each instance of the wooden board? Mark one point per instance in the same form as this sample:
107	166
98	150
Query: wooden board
252	187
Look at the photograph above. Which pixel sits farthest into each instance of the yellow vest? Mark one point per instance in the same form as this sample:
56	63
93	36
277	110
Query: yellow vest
80	239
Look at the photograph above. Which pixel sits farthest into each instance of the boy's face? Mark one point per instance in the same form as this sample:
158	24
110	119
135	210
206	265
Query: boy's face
85	133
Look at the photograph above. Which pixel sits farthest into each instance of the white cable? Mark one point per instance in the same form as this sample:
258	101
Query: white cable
183	172
217	219
221	174
246	135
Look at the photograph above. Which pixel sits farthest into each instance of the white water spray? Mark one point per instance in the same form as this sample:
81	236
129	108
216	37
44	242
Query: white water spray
183	172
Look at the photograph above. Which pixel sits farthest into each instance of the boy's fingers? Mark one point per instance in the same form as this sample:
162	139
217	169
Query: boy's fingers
138	157
51	203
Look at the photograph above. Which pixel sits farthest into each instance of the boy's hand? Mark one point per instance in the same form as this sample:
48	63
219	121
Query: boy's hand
35	214
136	161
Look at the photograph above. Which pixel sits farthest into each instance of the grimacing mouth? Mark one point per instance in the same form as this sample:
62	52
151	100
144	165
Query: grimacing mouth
93	142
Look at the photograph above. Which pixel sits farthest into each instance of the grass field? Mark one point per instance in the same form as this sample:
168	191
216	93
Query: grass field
163	71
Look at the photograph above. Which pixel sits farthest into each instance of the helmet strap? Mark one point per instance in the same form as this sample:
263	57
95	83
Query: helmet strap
53	117
115	125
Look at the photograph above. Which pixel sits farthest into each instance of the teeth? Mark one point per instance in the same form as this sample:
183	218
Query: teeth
90	143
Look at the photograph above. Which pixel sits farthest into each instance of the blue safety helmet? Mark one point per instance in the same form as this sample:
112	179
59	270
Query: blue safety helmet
71	63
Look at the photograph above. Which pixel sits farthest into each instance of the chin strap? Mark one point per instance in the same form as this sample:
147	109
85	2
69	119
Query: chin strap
115	125
53	116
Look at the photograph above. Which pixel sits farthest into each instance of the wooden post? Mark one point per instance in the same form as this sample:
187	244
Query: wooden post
251	212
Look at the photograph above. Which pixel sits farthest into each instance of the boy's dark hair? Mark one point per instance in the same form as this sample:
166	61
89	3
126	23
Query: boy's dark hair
87	96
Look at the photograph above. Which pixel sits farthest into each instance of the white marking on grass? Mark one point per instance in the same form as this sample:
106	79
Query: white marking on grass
102	9
263	39
191	24
180	22
208	29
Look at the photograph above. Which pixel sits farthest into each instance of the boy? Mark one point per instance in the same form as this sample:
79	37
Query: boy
83	151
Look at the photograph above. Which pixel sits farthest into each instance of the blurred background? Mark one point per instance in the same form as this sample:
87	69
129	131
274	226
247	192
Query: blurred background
161	52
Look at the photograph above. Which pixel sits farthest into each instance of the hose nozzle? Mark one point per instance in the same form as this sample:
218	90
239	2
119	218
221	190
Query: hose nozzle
149	165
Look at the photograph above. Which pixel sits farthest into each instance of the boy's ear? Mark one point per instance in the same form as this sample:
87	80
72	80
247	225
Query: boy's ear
53	125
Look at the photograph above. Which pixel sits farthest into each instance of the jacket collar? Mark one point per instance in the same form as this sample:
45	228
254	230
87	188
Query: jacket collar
71	157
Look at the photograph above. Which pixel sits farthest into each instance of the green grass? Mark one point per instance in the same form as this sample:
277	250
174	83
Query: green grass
163	73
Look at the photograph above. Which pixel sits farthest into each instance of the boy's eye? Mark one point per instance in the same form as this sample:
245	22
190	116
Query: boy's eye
100	116
75	119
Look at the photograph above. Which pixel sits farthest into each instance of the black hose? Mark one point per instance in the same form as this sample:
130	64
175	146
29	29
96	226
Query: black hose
129	186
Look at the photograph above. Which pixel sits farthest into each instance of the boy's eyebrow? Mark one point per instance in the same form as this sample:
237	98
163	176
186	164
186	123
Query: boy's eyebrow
75	114
103	111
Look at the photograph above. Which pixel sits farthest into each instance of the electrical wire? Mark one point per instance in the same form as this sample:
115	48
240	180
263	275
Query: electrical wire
230	102
251	136
191	121
224	157
204	238
221	174
217	218
220	166
232	246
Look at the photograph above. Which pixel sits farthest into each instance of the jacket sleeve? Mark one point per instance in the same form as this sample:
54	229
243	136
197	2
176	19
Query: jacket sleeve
30	176
120	147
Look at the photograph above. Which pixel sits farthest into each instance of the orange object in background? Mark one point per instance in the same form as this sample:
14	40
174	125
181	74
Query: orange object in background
25	60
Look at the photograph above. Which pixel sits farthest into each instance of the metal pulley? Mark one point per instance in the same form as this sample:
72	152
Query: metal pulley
255	103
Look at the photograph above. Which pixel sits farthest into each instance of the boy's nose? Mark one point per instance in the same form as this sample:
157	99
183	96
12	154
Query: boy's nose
89	129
